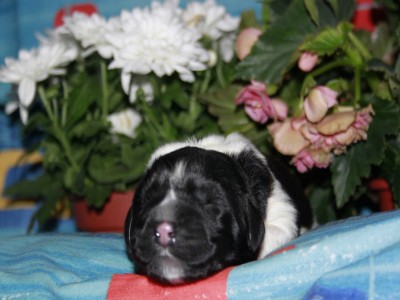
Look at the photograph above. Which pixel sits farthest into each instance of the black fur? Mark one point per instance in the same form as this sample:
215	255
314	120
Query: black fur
218	215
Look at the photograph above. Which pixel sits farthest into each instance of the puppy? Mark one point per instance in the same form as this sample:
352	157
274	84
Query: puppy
204	205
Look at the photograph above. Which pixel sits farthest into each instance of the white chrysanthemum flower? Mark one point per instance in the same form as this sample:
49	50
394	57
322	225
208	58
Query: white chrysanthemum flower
125	122
157	40
31	67
213	21
91	31
61	36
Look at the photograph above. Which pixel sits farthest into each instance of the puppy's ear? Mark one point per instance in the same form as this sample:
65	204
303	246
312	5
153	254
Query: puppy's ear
255	226
128	228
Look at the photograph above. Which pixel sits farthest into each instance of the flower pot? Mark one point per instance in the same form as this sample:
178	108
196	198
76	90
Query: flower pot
110	218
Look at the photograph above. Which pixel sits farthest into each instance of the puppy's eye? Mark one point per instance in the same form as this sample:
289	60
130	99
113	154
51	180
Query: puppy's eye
201	195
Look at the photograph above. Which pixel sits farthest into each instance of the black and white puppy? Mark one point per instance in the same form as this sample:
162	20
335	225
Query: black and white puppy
204	205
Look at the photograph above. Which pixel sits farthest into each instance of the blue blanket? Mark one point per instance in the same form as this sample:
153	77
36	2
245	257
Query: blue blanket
358	258
72	266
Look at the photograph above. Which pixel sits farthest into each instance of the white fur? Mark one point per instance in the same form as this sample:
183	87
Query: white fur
169	198
280	221
231	145
172	268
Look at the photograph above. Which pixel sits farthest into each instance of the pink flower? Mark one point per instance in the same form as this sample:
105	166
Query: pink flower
307	61
319	100
336	131
258	106
287	136
280	107
245	41
309	158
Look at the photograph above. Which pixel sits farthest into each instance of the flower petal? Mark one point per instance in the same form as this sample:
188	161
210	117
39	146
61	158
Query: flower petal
23	113
26	91
319	100
11	107
336	123
126	81
246	40
280	107
288	140
307	61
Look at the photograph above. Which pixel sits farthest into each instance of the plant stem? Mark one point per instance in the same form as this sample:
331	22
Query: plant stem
45	102
330	66
206	81
151	116
104	89
357	85
60	135
55	109
58	132
220	74
64	109
359	46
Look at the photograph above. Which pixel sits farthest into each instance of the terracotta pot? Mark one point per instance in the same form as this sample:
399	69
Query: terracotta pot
110	218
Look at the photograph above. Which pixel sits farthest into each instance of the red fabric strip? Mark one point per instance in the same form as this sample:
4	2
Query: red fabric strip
133	286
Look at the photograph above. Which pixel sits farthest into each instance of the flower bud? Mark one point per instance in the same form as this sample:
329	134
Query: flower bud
257	104
125	122
307	61
245	41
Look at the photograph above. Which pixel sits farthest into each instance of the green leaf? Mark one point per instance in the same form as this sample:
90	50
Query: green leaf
274	52
223	98
46	188
335	6
343	9
88	129
175	93
74	181
248	18
328	40
397	67
321	203
312	9
97	195
276	8
80	98
379	66
28	188
391	168
110	169
54	156
185	121
348	169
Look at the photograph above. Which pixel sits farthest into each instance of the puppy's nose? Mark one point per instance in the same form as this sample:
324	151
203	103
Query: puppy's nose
165	234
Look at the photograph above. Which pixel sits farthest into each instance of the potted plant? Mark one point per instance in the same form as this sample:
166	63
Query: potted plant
102	94
328	96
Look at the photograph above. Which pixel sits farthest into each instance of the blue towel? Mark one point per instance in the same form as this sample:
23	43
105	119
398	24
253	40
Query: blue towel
71	266
358	258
